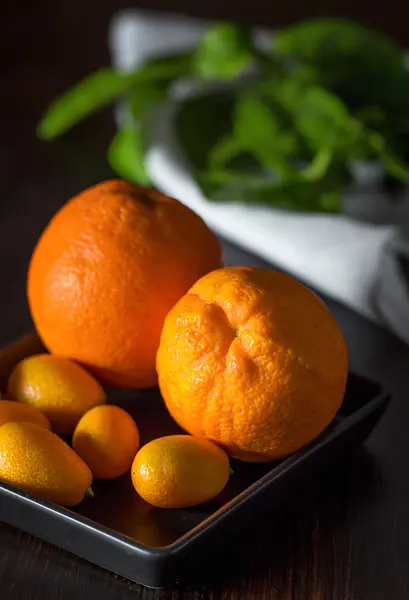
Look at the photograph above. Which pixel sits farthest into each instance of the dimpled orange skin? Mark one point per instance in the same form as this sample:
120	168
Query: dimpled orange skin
106	271
254	361
107	439
178	471
60	388
39	462
11	411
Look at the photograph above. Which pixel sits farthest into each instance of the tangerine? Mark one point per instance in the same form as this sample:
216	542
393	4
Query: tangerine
58	387
11	411
178	471
107	439
37	461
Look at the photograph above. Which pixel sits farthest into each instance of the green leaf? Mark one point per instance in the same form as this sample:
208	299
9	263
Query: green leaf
103	87
393	164
225	151
259	132
314	115
268	64
143	98
320	40
319	118
166	67
260	128
88	95
317	187
324	121
318	167
361	65
201	123
126	155
225	52
315	196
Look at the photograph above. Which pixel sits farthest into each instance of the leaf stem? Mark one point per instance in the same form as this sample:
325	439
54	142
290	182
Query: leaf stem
89	493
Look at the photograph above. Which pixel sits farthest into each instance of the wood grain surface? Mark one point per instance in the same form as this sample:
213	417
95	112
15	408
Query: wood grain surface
344	538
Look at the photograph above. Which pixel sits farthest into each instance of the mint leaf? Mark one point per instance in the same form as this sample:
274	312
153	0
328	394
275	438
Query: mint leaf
201	123
320	120
262	130
318	167
225	151
320	40
90	94
314	125
143	98
258	131
224	52
317	196
126	155
103	87
324	121
165	67
393	164
362	66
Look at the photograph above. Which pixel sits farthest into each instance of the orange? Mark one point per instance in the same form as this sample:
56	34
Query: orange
37	461
61	389
107	439
252	360
179	471
106	271
16	411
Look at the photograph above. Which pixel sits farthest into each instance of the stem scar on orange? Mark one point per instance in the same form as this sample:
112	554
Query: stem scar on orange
107	269
252	360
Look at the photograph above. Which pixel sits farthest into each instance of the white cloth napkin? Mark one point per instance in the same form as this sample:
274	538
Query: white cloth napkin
337	255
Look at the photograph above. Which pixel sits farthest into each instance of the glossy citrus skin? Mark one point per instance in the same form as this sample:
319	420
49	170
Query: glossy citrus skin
179	471
107	439
58	387
39	462
106	271
253	360
11	411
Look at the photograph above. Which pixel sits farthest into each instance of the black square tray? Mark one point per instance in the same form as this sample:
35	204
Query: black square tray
120	532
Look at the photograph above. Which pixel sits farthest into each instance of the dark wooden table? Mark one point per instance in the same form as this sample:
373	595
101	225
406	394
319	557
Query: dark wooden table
345	538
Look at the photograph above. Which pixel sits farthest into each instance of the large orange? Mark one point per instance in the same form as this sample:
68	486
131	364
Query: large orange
252	360
106	271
